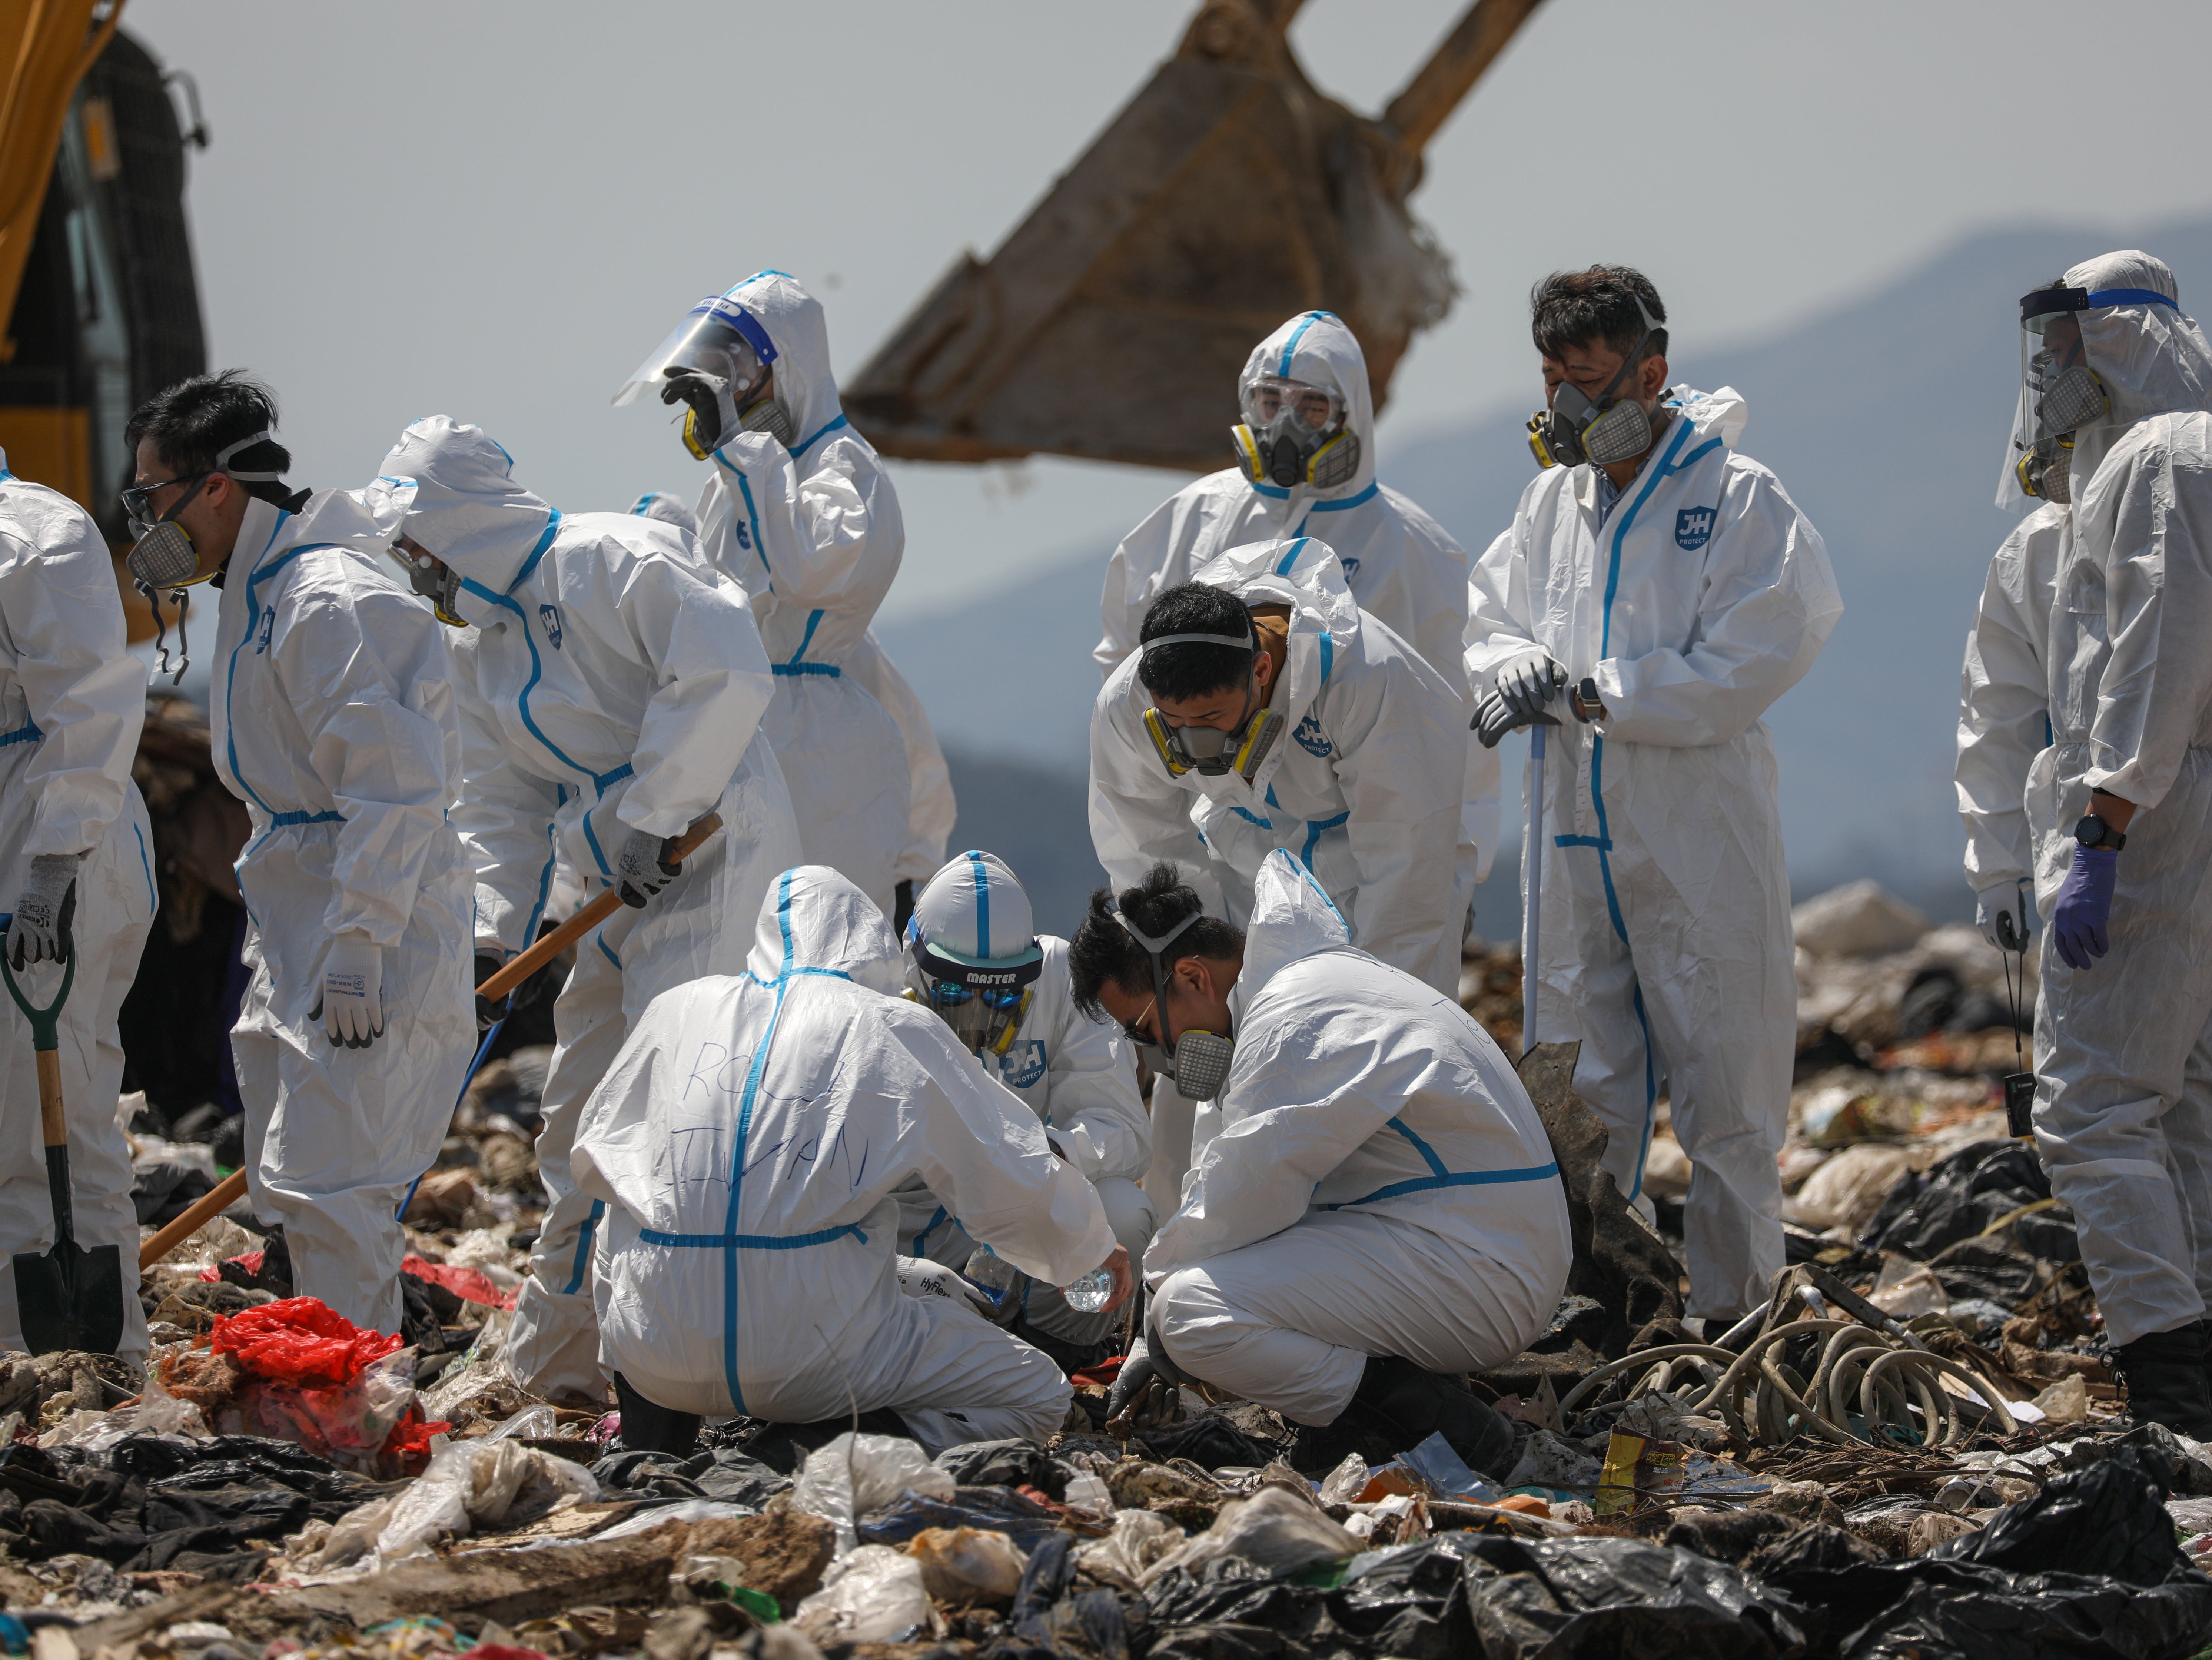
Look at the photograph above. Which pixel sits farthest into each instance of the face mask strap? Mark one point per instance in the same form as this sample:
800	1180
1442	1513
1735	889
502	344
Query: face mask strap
1154	951
161	633
222	459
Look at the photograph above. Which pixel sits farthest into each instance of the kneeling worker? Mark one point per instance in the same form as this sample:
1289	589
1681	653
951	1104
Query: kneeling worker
747	1142
1380	1213
1005	991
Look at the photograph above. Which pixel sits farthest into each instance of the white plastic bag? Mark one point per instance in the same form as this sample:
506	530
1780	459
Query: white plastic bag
856	1473
962	1566
1140	1538
872	1594
1272	1529
476	1484
1343	1484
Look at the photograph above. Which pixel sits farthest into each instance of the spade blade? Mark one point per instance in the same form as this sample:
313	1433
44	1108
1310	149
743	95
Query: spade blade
70	1297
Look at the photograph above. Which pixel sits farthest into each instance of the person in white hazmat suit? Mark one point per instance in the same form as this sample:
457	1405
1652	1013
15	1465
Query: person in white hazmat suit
2115	419
979	961
747	1143
1305	464
1655	593
334	720
1265	710
2005	722
667	509
800	513
78	852
1380	1213
618	689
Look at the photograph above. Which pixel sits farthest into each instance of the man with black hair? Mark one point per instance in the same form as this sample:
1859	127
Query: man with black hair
1655	591
77	852
334	721
1264	709
1380	1211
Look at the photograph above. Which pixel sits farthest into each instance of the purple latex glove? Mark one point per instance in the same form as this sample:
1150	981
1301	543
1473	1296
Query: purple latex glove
2085	906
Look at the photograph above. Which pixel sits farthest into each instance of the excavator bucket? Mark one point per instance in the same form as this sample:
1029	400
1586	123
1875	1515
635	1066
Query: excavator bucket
1227	196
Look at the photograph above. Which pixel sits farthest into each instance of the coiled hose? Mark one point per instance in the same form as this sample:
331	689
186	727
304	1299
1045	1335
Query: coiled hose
1765	1403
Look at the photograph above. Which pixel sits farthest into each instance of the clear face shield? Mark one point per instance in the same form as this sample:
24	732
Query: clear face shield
1294	433
720	338
1197	1061
982	1001
2059	392
1612	428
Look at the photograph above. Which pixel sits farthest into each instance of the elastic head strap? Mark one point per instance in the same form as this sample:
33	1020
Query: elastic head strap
222	459
1249	642
1154	954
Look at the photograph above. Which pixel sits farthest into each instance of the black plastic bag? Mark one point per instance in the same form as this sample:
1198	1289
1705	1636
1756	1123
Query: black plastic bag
1411	1603
999	1510
1210	1442
1988	1269
1956	1199
2109	1519
1012	1463
1621	1599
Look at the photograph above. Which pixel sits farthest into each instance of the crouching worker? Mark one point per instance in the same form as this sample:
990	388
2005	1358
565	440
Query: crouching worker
1379	1212
1005	991
746	1142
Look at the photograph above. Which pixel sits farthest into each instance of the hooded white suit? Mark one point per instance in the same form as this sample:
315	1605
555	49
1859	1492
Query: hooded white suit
334	720
619	683
748	1140
1401	566
72	700
2124	1049
1381	1184
2004	717
1702	597
813	534
1363	787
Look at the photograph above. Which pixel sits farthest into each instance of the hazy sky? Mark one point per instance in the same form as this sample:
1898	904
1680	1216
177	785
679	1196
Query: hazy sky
496	209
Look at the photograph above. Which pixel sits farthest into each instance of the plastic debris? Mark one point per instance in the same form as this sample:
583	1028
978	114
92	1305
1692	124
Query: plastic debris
856	1473
871	1594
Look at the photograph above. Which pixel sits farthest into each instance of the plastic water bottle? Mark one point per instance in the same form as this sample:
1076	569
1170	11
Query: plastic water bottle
992	1274
1090	1294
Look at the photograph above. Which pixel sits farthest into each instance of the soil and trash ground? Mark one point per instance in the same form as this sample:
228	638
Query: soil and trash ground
1919	1449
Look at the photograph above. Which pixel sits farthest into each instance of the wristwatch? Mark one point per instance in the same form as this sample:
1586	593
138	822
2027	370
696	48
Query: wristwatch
1585	703
2095	832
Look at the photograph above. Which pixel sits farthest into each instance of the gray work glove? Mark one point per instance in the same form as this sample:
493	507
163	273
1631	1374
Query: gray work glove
1497	717
1528	682
1146	1361
350	991
642	871
713	420
2001	913
44	911
920	1277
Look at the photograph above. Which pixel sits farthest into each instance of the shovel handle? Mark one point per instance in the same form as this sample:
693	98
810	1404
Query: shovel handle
46	1022
195	1216
583	921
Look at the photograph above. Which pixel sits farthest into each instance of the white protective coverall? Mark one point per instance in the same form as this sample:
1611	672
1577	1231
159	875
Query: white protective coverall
1075	1073
1401	566
748	1138
2004	712
335	722
1667	950
930	810
619	685
813	534
660	504
72	700
1380	1185
2124	1049
1363	787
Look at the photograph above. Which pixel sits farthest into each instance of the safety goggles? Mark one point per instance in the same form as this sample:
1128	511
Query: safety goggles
949	994
1198	1060
138	499
1271	398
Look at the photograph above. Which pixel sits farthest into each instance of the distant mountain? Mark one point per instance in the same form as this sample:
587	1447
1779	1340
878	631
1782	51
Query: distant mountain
1887	423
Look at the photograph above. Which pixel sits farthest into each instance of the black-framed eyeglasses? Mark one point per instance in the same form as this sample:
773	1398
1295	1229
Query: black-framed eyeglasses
138	499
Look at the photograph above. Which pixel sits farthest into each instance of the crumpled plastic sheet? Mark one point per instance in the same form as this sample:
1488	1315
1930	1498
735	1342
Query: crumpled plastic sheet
856	1473
1272	1529
1025	1522
870	1594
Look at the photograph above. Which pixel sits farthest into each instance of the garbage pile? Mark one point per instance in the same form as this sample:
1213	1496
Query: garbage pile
1916	1447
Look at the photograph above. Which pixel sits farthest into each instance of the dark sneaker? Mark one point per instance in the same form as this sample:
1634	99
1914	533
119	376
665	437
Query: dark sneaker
1406	1405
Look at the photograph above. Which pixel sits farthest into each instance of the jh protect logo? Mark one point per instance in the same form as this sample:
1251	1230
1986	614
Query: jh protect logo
1694	528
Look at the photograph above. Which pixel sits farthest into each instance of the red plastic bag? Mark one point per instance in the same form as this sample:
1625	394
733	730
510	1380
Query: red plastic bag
250	1261
407	1449
302	1342
470	1285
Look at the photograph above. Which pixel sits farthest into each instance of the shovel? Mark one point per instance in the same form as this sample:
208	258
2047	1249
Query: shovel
70	1297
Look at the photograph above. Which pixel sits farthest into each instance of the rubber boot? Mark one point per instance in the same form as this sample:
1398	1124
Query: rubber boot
1406	1405
2164	1378
649	1428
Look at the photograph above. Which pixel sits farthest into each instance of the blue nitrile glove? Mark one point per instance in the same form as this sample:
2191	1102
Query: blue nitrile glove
2085	907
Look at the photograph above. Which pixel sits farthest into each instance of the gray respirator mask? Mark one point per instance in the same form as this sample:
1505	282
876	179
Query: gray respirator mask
1604	432
162	558
1198	1062
770	417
